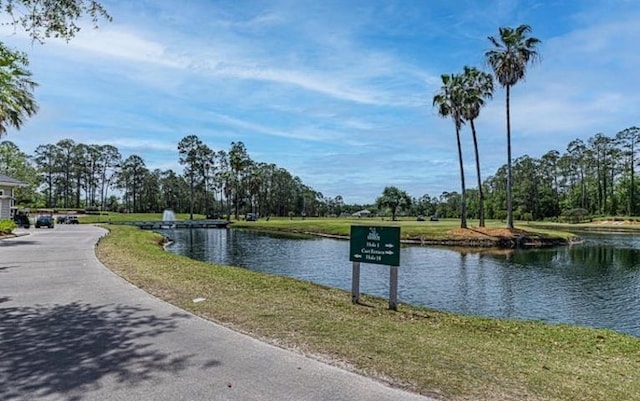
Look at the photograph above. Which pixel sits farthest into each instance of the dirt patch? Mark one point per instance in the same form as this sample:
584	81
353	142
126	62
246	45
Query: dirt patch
484	232
489	238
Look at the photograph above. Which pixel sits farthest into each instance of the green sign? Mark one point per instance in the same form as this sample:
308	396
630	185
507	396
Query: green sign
379	245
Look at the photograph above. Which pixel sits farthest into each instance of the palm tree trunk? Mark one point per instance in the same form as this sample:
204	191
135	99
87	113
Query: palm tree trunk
632	189
509	183
480	192
463	203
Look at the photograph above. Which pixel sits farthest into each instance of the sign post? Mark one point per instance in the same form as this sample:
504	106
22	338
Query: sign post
355	283
377	245
393	288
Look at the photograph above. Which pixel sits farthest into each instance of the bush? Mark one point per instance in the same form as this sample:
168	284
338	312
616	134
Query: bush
7	226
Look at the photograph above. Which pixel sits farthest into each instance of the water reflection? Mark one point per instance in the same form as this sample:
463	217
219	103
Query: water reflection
594	284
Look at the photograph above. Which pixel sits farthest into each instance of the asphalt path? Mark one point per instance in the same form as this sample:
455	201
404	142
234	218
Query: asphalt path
70	329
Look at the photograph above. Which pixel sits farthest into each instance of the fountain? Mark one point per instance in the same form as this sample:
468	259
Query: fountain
168	216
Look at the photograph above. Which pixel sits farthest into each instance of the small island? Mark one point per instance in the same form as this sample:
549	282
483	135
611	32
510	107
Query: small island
445	232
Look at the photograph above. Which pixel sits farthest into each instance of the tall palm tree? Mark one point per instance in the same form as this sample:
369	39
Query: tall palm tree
478	85
449	103
16	89
509	58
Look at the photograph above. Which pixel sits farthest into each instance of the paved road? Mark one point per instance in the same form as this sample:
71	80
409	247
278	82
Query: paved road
72	330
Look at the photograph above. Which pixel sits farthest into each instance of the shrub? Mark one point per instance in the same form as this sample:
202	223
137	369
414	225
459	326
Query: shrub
6	226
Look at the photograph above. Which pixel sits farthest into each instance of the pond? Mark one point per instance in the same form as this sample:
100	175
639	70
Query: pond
595	284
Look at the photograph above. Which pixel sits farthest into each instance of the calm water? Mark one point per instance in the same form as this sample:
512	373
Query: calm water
594	284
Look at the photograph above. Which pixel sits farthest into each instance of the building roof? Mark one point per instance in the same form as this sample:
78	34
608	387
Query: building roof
361	212
11	182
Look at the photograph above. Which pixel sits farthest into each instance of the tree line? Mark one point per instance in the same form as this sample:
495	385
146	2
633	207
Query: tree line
592	177
67	174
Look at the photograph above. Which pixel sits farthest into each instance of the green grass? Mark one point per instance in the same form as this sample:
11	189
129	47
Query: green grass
118	218
448	356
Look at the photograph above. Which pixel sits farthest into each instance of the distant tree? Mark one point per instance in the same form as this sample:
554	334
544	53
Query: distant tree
131	179
338	204
449	205
206	158
173	190
550	162
628	139
509	58
603	152
449	101
150	197
110	159
64	157
478	86
190	148
424	205
239	161
45	159
394	199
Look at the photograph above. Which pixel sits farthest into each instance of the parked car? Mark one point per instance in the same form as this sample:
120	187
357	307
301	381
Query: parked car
61	219
44	221
251	217
72	220
434	218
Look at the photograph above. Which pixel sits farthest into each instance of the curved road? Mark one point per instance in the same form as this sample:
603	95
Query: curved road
72	330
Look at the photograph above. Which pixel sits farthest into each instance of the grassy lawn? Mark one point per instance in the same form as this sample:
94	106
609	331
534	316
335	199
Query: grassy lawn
117	218
444	355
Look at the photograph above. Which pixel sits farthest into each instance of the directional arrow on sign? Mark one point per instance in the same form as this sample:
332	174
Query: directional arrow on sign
389	252
389	245
357	256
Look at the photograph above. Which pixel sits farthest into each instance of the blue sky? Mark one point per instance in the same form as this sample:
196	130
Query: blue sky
337	92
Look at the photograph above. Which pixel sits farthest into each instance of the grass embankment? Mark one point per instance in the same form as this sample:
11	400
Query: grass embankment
443	232
444	355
